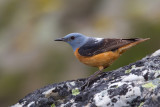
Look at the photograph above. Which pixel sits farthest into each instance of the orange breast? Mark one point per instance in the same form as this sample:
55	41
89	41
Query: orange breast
101	60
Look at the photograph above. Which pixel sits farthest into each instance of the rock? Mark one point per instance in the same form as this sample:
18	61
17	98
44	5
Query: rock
134	85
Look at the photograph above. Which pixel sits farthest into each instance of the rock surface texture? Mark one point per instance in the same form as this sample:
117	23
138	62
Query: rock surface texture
134	85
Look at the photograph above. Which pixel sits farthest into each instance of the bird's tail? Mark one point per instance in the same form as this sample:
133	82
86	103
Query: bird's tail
135	42
137	39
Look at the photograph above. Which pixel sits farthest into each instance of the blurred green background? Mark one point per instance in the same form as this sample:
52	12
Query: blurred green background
31	59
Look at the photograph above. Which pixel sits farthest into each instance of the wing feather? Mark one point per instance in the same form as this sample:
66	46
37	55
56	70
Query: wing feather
92	48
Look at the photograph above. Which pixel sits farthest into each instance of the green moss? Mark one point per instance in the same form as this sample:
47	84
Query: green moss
133	66
53	105
158	71
75	92
141	104
149	85
127	71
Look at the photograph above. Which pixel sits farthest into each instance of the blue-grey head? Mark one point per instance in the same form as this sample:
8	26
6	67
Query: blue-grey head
76	40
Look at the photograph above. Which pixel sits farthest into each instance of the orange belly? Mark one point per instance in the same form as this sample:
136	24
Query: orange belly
102	60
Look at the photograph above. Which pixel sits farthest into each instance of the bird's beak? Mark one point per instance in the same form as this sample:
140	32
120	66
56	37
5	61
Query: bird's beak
59	39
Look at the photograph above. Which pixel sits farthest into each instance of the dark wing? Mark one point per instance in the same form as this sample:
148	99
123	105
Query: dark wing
92	47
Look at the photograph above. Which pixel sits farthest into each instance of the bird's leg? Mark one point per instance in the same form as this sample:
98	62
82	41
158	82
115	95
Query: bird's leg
90	78
94	75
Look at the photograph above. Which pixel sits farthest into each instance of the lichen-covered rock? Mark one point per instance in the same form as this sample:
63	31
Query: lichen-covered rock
135	85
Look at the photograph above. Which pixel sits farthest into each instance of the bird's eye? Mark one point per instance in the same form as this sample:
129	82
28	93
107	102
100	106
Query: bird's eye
72	37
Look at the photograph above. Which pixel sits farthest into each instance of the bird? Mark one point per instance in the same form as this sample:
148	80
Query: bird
98	52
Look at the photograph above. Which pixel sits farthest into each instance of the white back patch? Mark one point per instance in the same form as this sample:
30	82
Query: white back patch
98	40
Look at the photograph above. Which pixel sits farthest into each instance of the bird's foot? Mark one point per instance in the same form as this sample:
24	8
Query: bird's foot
90	79
86	84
